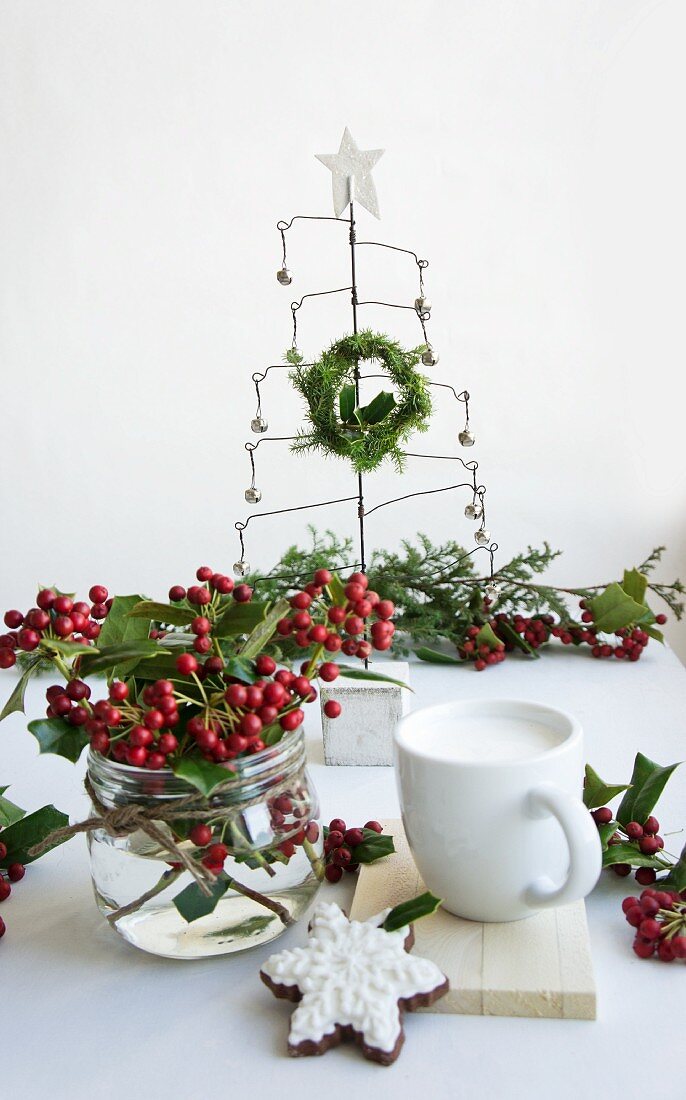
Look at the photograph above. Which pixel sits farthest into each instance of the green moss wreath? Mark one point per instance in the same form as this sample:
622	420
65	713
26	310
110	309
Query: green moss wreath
369	434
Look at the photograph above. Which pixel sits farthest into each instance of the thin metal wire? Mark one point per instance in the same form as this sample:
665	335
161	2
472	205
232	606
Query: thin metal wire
283	226
252	447
295	306
422	493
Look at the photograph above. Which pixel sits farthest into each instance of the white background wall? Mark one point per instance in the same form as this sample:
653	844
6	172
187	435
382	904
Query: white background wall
534	155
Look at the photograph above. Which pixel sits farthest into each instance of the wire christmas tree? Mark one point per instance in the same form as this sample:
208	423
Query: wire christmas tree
336	421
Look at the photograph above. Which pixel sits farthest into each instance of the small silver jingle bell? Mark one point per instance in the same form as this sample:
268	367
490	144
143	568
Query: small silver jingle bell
492	591
284	276
475	510
241	568
253	495
259	425
430	357
466	438
482	536
422	305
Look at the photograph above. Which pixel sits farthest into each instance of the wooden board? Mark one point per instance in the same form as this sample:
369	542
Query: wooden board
536	967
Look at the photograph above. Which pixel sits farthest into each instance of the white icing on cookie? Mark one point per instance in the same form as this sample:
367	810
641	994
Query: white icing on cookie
351	973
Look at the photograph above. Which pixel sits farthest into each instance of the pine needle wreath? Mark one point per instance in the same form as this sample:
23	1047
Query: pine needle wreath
365	436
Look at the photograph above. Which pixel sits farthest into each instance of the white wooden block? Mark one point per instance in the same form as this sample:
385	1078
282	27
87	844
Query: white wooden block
363	732
536	967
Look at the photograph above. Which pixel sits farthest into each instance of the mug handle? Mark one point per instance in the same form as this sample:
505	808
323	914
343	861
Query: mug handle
581	834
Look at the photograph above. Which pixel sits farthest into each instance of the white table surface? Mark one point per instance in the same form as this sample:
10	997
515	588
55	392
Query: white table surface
84	1016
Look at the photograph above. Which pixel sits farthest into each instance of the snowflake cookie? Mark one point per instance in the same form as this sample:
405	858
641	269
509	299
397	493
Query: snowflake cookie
354	980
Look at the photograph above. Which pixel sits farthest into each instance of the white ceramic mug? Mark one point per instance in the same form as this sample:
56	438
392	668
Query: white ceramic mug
490	792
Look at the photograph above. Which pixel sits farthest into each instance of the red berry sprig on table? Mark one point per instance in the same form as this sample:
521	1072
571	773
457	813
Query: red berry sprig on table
345	849
55	616
659	918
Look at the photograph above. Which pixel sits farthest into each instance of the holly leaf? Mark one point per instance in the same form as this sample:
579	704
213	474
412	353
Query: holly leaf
65	648
346	403
9	811
631	854
374	846
605	832
422	906
16	699
56	736
109	657
517	640
648	781
239	618
597	792
337	591
239	669
350	673
653	632
676	879
614	609
193	904
160	612
378	409
487	636
435	657
21	836
259	637
118	627
202	774
635	585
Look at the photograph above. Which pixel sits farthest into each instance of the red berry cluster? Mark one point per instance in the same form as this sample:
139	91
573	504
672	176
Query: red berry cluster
659	917
340	843
645	837
11	873
55	616
206	597
345	626
481	653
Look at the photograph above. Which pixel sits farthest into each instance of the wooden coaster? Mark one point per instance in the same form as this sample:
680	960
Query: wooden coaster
536	967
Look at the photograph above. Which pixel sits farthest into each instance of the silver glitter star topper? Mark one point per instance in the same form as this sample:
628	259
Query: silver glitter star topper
351	171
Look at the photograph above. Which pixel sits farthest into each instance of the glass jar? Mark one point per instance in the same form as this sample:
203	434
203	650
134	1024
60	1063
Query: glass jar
260	818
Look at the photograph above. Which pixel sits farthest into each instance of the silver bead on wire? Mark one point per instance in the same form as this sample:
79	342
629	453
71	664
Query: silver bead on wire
241	568
475	510
284	276
253	495
259	425
430	357
482	537
492	591
423	305
466	438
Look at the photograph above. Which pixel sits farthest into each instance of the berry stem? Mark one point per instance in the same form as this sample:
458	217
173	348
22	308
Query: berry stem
168	877
310	852
261	899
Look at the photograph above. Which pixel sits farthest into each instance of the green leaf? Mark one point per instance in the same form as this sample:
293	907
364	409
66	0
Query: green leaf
240	669
259	637
653	632
434	657
346	403
422	906
32	829
676	879
635	584
193	904
337	591
605	832
202	774
614	609
629	853
378	409
239	618
512	636
374	846
16	699
112	655
597	792
351	673
160	612
9	811
647	784
66	649
57	736
487	636
118	627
